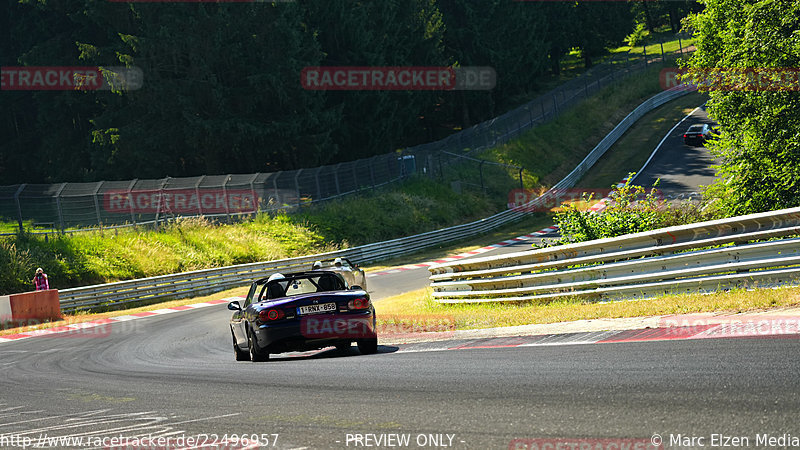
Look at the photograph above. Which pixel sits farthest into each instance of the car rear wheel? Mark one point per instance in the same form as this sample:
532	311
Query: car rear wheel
256	355
237	353
368	346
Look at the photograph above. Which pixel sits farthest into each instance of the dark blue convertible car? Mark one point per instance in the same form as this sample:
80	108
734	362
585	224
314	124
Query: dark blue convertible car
299	312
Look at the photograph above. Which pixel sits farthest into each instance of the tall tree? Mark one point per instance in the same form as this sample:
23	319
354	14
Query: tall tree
760	144
509	37
385	33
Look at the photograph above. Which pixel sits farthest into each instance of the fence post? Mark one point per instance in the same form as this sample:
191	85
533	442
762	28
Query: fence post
58	207
372	172
336	178
160	195
480	168
97	204
316	179
225	197
297	185
680	44
644	49
19	207
662	51
253	193
521	185
130	199
275	187
197	193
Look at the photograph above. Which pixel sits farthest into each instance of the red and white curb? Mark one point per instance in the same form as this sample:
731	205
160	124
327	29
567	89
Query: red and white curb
755	327
81	327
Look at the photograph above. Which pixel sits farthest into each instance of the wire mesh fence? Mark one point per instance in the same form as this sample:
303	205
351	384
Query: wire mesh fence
45	208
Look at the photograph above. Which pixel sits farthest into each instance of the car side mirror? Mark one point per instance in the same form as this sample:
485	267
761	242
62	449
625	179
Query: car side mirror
234	306
356	288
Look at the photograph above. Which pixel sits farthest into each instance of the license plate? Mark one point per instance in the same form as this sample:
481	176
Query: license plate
316	309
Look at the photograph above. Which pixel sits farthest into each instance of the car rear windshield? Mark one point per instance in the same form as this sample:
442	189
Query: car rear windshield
696	128
301	285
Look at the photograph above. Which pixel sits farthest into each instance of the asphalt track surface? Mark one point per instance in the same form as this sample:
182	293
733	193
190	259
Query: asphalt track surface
174	375
681	168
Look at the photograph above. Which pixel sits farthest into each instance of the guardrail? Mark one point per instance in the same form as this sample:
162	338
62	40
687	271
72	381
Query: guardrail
701	257
214	280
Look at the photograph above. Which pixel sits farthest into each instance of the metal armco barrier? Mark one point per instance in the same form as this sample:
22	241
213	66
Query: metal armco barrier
682	259
214	280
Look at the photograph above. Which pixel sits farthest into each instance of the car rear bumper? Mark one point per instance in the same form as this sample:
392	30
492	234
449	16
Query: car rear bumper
315	331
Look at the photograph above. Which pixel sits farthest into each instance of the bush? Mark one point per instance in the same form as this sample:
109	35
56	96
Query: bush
632	209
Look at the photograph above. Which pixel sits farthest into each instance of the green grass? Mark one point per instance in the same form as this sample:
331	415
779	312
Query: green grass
190	244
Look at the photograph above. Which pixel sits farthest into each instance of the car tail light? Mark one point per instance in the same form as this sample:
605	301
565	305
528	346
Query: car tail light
271	314
359	303
685	135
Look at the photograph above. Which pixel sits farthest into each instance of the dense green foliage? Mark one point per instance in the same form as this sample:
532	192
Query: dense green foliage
221	90
760	144
631	209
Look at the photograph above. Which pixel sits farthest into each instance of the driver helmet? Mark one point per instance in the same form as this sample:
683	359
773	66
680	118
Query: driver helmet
275	276
337	262
317	265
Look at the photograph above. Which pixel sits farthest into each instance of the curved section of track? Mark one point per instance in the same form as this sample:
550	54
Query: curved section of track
175	375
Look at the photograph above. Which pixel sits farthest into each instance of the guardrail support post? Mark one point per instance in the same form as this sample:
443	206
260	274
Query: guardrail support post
662	51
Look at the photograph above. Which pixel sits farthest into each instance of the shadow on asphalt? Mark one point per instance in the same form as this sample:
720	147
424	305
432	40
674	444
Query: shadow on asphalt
327	353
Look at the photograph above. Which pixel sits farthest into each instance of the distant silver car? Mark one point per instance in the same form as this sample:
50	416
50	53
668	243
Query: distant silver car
352	274
698	135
